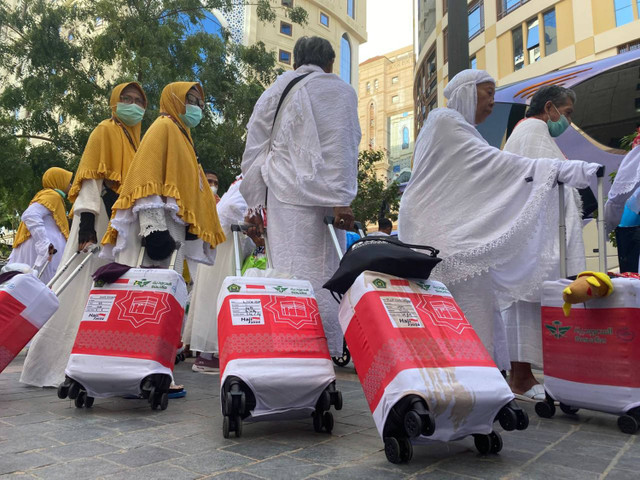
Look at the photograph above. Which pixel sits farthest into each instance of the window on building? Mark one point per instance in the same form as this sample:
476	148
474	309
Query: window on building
376	84
518	54
286	28
345	59
433	86
550	34
350	9
287	3
284	57
368	87
507	6
394	80
395	99
473	63
476	18
624	11
627	47
324	19
533	40
405	138
445	41
445	6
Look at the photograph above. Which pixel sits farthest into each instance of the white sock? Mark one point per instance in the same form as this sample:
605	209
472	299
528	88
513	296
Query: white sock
206	356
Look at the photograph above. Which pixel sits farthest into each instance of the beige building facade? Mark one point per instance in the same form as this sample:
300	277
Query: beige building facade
342	22
518	39
385	107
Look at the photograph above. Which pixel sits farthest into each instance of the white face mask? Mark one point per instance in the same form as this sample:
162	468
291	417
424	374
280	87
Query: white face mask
214	189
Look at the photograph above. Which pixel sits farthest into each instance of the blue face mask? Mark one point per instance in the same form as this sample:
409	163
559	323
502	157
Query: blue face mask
130	114
558	127
192	116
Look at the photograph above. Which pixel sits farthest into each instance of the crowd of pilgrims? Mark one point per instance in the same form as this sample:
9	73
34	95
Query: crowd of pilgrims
492	213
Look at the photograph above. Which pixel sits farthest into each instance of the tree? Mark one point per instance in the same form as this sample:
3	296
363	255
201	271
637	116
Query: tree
59	61
375	199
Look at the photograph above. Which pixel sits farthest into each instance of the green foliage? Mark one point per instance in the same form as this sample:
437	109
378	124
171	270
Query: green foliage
627	140
59	61
375	198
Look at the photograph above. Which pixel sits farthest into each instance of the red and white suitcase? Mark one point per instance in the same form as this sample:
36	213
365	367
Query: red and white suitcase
591	357
26	304
424	371
127	340
274	358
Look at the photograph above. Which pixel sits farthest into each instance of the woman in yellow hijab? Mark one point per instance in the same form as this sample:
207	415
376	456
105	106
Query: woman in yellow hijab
103	167
44	227
166	198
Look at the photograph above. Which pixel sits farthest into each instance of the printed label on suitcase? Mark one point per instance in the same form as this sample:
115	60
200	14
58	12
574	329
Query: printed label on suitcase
246	312
401	312
98	308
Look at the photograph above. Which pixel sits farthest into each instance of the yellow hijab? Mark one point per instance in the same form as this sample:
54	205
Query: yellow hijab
166	165
110	150
54	178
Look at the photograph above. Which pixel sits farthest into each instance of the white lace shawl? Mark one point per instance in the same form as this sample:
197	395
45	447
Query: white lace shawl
473	203
314	159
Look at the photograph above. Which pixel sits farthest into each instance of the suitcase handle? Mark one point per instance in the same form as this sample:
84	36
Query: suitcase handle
328	220
92	250
143	250
235	231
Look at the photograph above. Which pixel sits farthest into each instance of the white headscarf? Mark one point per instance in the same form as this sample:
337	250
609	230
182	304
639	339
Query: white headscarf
462	94
626	182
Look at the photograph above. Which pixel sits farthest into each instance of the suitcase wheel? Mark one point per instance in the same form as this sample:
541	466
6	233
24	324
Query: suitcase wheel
628	424
545	409
523	420
79	400
88	402
398	450
486	444
412	424
74	390
508	418
327	421
568	410
238	426
325	400
63	391
337	400
317	422
164	401
225	426
345	358
158	400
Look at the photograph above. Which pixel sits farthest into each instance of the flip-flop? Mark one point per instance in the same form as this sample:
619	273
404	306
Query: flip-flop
177	393
534	394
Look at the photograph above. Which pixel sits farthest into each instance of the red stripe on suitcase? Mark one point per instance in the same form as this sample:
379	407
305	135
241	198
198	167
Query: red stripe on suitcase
598	346
15	331
256	287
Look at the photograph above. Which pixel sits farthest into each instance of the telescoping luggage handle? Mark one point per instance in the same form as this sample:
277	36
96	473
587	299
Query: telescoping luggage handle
90	252
328	220
602	237
172	262
237	261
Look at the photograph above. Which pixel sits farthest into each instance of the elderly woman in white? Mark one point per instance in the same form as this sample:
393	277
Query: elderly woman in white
482	208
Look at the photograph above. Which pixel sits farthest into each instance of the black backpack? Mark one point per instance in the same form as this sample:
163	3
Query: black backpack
384	255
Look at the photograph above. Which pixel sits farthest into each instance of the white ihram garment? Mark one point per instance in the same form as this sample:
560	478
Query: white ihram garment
201	329
50	348
531	139
35	249
311	168
473	203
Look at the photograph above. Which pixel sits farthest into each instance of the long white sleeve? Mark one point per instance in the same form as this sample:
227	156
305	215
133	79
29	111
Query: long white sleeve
577	173
89	197
33	218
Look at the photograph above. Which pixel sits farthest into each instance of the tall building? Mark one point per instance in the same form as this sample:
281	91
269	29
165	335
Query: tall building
385	107
342	22
518	39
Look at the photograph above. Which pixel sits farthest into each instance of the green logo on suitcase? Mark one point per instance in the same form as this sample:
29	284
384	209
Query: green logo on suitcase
556	329
233	288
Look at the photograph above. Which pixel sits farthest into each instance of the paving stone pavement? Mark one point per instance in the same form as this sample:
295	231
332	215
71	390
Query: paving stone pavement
44	437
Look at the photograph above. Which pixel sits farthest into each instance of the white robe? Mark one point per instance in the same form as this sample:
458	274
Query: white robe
627	182
473	202
50	348
311	168
531	139
201	330
34	251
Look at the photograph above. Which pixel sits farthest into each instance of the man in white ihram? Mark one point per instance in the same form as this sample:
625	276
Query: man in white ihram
304	170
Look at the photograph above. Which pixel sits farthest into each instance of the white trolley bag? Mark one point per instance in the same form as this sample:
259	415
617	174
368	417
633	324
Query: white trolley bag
26	304
424	371
592	357
127	340
274	358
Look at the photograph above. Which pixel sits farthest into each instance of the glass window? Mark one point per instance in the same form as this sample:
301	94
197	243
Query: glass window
395	99
345	59
375	84
445	6
533	40
324	19
405	138
445	41
624	12
518	55
506	6
368	87
350	11
476	19
394	80
287	3
284	57
473	63
550	34
286	28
